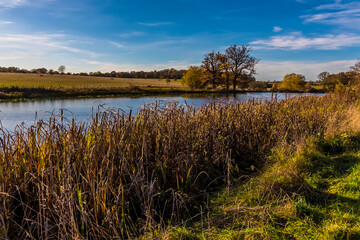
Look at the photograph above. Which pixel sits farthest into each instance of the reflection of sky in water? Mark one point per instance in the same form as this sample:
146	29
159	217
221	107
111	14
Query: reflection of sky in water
12	114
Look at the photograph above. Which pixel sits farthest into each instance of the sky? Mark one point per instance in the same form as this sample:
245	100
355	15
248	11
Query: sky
301	36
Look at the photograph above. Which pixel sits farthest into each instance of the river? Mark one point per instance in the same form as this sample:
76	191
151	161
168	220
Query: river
27	113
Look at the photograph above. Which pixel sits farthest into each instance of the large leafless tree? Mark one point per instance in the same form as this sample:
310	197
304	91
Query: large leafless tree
241	63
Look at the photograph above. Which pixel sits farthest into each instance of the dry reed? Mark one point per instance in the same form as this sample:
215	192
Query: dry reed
120	175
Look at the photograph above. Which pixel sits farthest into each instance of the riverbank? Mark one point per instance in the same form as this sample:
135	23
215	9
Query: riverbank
15	87
16	94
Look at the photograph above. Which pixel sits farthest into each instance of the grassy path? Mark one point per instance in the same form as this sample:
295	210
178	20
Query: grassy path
314	194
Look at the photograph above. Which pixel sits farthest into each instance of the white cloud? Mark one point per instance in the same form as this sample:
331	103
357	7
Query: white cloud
338	13
110	66
296	41
40	50
277	29
40	43
276	70
338	5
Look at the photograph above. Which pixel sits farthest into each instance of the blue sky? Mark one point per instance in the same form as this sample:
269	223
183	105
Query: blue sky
302	36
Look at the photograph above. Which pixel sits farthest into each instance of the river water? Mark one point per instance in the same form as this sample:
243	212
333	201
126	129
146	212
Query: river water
26	113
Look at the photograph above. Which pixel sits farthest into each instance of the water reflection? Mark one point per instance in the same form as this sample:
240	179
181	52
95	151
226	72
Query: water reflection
13	114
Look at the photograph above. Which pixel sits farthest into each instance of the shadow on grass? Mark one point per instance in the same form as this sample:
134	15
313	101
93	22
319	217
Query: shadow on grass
334	160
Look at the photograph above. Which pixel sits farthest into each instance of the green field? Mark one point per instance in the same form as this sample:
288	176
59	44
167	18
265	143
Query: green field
20	87
70	81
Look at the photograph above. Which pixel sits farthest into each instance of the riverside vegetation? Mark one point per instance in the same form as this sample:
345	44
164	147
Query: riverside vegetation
255	169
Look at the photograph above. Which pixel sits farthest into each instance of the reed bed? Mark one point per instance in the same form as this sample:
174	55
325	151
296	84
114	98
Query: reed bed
119	176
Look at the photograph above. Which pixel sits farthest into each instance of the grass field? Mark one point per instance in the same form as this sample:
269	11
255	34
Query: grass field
20	87
69	81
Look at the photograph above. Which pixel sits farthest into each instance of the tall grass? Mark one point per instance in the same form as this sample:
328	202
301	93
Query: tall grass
120	175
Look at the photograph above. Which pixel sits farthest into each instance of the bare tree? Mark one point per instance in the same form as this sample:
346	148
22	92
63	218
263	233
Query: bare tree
322	76
62	69
212	65
356	67
242	65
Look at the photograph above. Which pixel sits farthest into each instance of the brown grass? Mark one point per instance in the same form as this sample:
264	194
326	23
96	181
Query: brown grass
27	80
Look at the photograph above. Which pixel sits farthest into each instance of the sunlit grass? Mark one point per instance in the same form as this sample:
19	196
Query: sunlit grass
69	81
311	194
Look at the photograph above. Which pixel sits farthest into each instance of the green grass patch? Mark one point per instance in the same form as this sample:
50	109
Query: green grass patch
313	193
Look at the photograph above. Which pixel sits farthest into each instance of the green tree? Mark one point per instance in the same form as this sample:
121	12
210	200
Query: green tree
242	65
192	77
293	82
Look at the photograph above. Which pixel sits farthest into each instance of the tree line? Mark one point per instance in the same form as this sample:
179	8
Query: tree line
165	73
326	81
235	67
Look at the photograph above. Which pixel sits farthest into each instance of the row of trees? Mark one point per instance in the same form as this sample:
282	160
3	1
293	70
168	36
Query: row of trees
166	73
329	82
236	67
61	70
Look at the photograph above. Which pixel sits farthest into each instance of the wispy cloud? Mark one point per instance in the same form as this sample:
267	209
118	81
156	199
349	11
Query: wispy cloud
5	23
150	45
110	66
26	3
11	3
40	42
277	29
296	41
338	13
154	24
338	5
118	45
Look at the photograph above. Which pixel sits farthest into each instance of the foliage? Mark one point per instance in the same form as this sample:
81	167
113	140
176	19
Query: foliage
258	86
193	77
236	64
293	82
212	66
